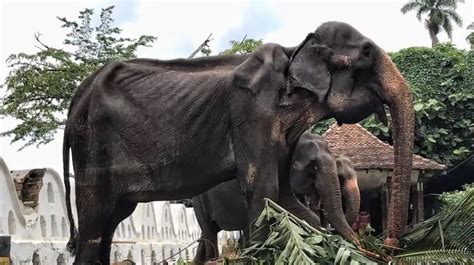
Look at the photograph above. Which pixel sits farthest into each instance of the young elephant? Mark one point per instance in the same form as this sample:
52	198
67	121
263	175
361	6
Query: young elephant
313	173
349	188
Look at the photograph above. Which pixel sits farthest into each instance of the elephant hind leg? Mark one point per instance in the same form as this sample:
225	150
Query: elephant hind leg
212	249
93	212
121	211
200	257
207	248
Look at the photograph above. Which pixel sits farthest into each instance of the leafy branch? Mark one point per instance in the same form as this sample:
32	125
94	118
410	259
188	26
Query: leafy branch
282	238
40	85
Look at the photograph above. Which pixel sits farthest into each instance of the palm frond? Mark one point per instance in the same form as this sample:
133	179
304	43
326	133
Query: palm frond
436	16
451	14
438	256
441	238
422	10
447	3
282	238
412	5
448	28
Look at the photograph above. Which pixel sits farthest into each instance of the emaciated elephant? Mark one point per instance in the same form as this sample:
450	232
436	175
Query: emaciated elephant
315	171
145	130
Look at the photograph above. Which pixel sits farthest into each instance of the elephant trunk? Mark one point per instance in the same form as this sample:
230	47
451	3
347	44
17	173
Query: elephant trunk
396	93
327	184
288	201
351	195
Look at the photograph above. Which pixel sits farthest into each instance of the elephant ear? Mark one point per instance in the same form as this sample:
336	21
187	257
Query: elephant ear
308	68
263	68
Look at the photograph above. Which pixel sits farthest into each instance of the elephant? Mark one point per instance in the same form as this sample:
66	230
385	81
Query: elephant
349	190
145	129
315	171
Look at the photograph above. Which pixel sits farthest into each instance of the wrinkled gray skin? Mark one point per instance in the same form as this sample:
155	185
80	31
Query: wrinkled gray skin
223	207
145	130
312	158
349	190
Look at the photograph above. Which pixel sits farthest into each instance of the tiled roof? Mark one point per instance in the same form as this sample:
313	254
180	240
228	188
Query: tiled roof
366	151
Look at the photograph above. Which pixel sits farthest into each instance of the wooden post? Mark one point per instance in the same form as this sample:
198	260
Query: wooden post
384	201
421	205
204	44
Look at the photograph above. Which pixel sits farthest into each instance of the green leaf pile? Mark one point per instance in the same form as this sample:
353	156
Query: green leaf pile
281	238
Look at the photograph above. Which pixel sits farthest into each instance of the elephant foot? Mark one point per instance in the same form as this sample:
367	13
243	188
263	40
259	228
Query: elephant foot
391	244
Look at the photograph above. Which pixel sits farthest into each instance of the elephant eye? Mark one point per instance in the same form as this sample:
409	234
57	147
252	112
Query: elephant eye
367	49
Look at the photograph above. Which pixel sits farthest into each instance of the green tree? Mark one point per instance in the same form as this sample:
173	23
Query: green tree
451	199
40	85
242	47
440	15
442	84
470	37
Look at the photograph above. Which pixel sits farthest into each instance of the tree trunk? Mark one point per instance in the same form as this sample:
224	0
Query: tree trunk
433	30
433	37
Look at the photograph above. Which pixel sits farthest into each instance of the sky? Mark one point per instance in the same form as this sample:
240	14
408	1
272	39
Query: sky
181	26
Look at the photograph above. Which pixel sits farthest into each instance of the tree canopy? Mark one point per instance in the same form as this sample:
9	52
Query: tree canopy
440	15
470	37
40	85
247	45
442	84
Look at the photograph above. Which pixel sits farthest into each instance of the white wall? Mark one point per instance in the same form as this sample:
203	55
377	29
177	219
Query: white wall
43	232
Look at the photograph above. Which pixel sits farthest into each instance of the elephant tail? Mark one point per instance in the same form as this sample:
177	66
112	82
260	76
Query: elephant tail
71	244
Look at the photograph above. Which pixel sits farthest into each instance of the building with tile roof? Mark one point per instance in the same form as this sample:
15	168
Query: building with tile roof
374	162
366	151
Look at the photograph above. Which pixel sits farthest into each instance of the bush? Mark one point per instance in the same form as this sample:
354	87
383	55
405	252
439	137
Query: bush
443	89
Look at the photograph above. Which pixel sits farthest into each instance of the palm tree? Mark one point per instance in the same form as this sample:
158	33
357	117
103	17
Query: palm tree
470	37
440	14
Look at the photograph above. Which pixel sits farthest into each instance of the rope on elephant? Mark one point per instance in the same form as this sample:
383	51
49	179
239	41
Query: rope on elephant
188	246
216	251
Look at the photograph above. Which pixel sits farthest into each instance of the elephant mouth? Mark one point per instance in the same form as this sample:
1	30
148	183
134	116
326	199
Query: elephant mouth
380	113
353	114
304	190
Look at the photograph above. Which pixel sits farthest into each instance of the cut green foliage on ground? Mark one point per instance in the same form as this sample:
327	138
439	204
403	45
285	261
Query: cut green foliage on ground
282	238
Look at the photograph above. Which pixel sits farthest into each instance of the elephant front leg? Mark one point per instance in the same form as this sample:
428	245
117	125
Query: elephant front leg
255	136
258	182
256	160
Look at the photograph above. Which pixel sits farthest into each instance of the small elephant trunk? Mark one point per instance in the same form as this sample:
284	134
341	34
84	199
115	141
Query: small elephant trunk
329	189
288	200
351	195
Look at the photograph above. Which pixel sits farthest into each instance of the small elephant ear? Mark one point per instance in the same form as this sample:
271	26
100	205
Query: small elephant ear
263	68
308	68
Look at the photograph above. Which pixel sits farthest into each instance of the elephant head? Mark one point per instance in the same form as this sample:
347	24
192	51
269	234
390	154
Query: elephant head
315	172
349	187
352	77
